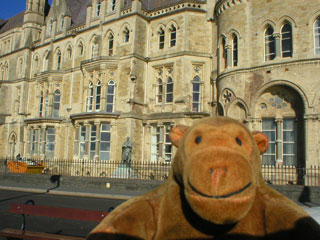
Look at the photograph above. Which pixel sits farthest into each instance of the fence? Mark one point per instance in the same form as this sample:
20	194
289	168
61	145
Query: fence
274	174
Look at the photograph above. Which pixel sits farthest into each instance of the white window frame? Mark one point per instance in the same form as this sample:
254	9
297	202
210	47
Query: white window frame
316	31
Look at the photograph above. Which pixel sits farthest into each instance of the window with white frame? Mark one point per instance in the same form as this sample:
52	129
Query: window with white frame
41	99
98	8
42	141
317	36
169	91
110	96
113	5
105	141
282	135
161	38
88	136
92	144
234	50
56	103
98	96
90	98
173	36
270	44
161	147
50	142
196	94
69	52
46	62
286	40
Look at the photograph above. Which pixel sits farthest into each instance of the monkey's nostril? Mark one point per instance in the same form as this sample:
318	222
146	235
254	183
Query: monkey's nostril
211	170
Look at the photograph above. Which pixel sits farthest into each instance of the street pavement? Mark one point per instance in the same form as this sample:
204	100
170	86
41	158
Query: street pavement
80	191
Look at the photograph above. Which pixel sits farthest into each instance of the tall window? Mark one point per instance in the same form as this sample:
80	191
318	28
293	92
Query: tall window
98	8
270	44
34	142
105	141
235	50
93	137
126	35
269	128
69	52
98	96
173	36
51	132
286	40
317	36
161	146
113	5
110	96
159	91
110	44
58	60
282	137
169	93
90	98
41	105
196	94
56	103
82	141
161	38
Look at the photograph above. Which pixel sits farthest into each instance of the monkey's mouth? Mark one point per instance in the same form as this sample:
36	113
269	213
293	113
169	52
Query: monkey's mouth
220	196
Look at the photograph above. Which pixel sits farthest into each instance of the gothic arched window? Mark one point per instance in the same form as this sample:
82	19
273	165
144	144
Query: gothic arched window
90	98
56	103
173	36
196	94
234	50
286	40
110	44
98	96
110	96
270	44
161	38
169	93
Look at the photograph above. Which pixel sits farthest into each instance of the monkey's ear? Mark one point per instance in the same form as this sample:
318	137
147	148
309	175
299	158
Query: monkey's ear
261	140
177	133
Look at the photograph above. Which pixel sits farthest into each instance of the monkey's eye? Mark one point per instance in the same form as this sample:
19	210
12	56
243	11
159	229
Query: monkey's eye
198	139
238	141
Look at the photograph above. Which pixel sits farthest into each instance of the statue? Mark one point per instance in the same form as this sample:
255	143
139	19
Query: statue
126	151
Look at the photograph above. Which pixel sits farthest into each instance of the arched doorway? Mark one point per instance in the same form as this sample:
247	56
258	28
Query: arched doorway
281	111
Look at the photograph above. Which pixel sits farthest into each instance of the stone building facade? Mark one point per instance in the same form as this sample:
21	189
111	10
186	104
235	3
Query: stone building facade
79	77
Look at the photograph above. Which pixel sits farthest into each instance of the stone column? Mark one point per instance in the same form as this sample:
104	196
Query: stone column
277	38
229	56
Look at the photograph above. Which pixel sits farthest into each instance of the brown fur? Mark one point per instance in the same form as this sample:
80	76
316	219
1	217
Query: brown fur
215	190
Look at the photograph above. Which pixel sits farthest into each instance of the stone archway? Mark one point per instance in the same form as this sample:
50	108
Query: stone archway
281	110
237	111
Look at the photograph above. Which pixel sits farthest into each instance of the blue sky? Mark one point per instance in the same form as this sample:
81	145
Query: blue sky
9	8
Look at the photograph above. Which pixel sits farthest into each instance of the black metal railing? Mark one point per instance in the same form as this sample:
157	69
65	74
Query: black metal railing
273	174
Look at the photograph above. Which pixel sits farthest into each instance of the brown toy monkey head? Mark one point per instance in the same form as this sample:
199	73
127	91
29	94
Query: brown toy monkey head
218	163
